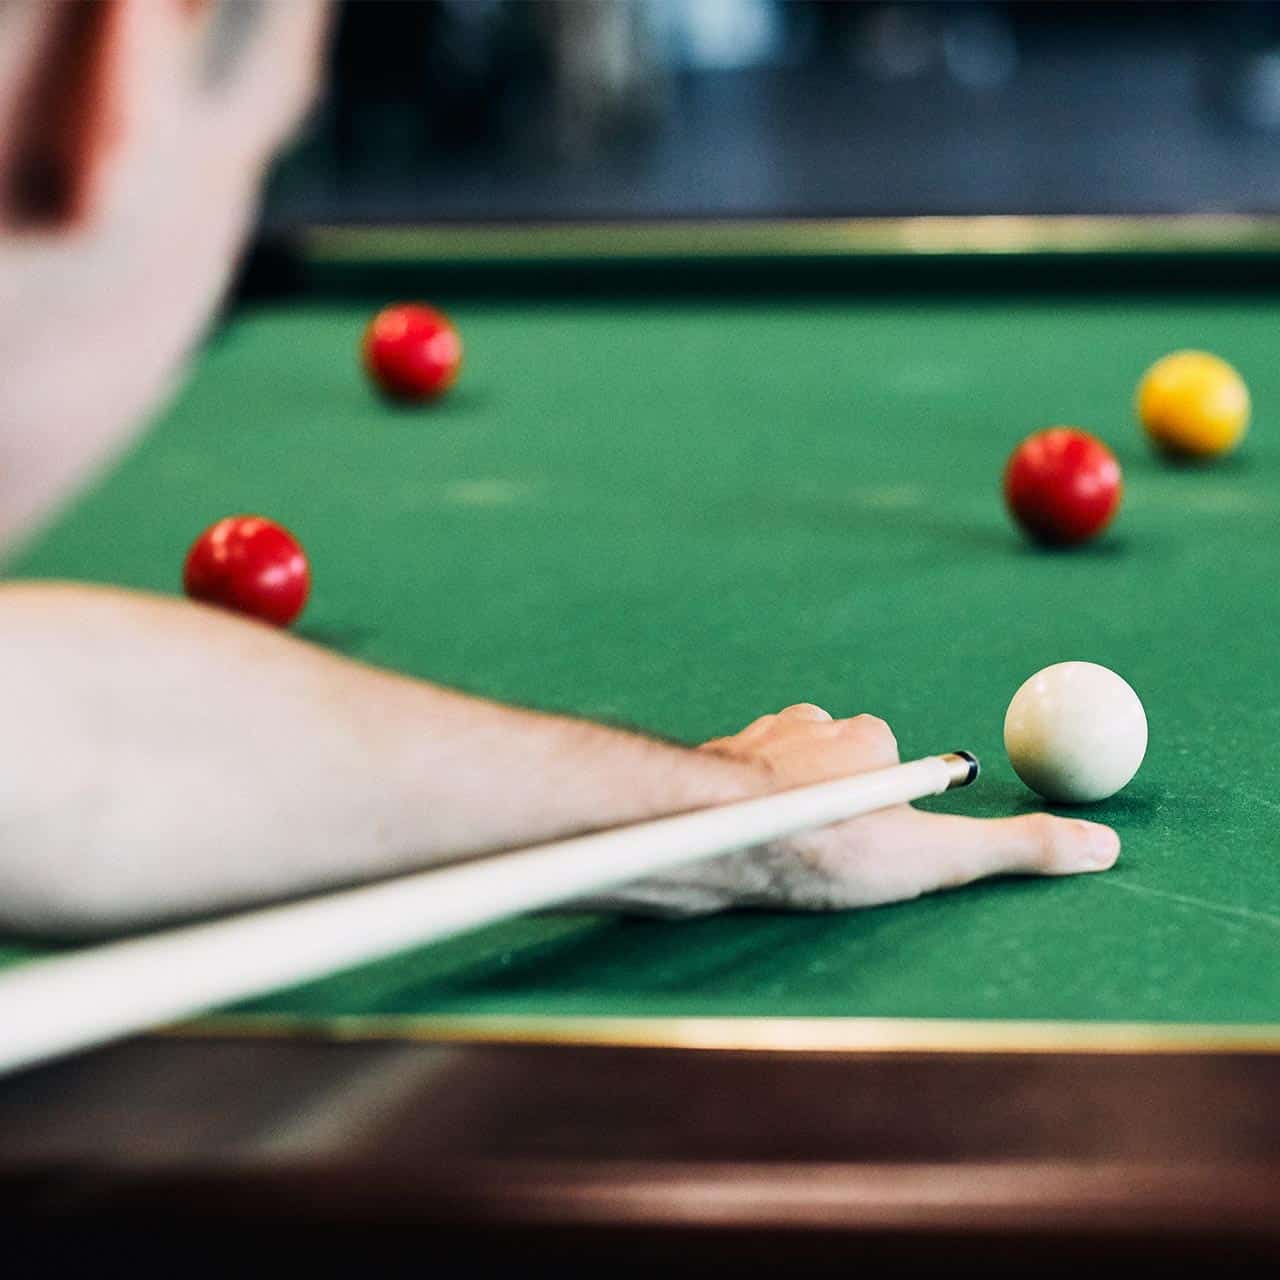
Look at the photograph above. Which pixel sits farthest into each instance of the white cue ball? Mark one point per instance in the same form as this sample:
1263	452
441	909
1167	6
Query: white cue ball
1075	732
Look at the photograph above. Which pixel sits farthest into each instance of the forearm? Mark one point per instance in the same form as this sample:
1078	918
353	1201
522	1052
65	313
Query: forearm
159	760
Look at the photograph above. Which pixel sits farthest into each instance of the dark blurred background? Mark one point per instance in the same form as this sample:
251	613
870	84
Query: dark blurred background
479	110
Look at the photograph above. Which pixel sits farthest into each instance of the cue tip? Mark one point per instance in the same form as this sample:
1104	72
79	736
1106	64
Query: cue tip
964	768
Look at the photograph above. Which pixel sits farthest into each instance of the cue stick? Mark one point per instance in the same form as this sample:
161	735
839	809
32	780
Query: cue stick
65	1003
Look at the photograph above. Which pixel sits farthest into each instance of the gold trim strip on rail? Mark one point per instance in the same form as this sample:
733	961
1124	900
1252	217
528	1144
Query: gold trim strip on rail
1224	234
764	1034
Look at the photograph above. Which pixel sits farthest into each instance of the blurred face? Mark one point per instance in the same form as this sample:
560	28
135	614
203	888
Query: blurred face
134	135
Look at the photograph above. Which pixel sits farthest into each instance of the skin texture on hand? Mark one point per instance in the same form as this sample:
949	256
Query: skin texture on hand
889	856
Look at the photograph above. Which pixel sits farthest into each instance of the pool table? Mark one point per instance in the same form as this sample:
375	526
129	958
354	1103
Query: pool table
688	475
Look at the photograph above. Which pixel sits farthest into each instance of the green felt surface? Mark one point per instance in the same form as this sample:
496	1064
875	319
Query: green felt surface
679	514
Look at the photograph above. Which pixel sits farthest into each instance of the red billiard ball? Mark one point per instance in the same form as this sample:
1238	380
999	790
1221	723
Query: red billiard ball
412	352
1062	486
250	565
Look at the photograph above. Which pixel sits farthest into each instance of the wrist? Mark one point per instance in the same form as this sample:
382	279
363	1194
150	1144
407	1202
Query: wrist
743	778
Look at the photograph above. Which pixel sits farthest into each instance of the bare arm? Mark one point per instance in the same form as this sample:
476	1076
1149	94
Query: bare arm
159	759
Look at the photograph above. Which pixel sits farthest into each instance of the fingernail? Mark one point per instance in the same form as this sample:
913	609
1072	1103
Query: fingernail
1102	847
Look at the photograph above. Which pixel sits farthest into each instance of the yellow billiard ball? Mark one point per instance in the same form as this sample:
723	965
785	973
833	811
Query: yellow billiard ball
1193	404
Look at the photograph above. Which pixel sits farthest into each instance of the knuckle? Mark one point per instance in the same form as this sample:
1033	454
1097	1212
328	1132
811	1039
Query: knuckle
806	711
760	726
874	731
1043	832
871	724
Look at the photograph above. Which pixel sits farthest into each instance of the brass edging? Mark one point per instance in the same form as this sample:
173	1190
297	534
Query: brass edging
764	1034
998	235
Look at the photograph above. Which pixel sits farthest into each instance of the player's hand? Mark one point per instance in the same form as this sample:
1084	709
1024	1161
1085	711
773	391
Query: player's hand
887	856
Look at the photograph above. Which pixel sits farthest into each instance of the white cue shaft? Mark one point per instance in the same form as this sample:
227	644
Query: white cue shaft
56	1006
